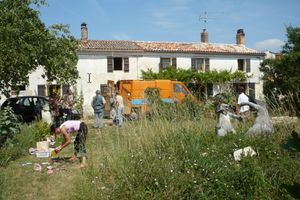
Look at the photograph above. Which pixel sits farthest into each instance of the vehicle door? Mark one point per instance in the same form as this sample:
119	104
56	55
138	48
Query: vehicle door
27	108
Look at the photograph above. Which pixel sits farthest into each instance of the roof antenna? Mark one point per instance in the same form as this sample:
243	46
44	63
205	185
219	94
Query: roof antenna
204	18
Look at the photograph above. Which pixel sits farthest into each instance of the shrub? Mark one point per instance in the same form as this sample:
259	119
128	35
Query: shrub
9	125
19	144
40	130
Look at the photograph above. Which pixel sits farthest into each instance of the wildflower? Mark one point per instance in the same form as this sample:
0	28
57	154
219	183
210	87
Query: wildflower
102	188
171	170
195	181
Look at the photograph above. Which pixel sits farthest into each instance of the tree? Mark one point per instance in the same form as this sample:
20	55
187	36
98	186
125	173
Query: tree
197	80
26	44
282	76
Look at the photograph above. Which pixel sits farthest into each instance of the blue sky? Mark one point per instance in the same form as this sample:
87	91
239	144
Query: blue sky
263	21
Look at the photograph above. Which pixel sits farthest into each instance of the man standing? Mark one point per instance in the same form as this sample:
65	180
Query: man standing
67	104
245	109
98	104
120	108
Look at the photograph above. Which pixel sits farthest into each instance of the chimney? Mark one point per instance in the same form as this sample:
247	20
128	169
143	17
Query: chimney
240	37
204	36
84	33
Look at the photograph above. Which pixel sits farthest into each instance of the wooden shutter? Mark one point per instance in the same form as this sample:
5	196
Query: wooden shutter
248	67
174	63
160	64
193	64
126	64
206	60
41	90
103	89
110	64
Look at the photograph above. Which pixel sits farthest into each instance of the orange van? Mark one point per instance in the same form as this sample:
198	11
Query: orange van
133	92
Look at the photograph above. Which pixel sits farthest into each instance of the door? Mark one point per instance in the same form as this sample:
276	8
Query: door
27	108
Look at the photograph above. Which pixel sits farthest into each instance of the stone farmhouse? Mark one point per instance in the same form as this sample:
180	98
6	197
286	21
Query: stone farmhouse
102	60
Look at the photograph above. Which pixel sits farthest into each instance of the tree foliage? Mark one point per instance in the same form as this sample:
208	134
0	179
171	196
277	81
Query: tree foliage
189	76
282	76
26	43
196	80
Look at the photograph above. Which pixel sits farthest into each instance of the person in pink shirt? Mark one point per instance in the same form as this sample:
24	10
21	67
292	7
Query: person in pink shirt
66	129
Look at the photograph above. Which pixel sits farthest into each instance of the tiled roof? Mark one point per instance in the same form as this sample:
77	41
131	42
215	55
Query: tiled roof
108	45
179	47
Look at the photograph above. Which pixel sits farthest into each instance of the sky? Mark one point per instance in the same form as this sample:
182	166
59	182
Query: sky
264	21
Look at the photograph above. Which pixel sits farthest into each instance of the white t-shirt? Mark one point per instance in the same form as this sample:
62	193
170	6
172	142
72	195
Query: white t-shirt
243	98
119	101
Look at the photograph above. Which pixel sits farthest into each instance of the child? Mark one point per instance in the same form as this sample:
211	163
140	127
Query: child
68	128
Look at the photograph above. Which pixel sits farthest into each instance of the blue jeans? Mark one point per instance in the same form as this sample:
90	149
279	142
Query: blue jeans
120	116
98	120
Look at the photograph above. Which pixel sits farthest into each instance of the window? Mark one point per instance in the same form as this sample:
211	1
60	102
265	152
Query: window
27	102
200	64
197	64
41	90
166	62
117	64
241	64
179	88
244	65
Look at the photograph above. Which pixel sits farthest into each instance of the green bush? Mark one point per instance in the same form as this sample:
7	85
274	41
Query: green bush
40	130
9	125
20	143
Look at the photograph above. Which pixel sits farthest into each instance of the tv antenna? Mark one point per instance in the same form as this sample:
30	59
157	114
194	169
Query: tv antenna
204	18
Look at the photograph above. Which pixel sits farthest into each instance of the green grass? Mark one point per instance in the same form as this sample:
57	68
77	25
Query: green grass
177	157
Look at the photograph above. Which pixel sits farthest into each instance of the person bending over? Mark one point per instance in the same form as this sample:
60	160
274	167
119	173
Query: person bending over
67	129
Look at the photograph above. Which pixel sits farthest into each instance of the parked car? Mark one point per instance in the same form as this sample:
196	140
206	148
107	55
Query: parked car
28	108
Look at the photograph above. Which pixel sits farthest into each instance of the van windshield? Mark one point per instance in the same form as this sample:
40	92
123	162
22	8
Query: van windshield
179	88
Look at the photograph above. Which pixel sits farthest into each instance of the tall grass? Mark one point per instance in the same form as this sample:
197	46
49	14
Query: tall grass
176	155
18	146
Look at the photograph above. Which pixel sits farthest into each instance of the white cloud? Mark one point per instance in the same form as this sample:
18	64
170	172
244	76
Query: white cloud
269	44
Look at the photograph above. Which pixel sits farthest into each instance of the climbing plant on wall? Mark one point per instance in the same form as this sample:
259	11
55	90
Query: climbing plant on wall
196	81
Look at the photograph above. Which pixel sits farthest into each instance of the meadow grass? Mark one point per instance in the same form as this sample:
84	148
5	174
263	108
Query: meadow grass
180	157
172	154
